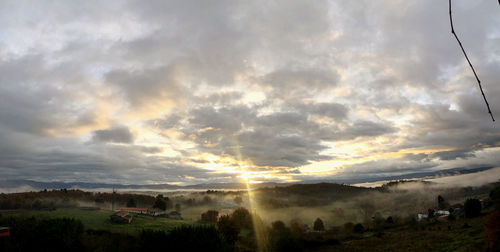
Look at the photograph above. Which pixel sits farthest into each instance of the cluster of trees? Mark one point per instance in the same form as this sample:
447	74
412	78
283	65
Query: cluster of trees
162	203
63	198
240	228
51	199
295	237
67	198
31	234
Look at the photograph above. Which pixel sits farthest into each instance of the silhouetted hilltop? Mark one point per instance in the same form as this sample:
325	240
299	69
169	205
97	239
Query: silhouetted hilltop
307	194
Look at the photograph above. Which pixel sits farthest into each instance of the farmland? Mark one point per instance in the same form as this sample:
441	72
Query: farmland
99	219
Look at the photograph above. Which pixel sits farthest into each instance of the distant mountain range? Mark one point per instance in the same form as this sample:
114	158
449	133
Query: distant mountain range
213	186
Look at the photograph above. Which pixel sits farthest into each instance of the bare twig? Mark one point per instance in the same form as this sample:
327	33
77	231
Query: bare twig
470	64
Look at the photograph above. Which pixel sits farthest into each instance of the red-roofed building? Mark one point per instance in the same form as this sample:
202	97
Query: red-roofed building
4	238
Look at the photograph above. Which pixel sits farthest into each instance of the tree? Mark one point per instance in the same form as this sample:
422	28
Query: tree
228	229
168	203
348	227
367	209
160	203
430	213
210	216
281	239
37	204
207	200
358	228
318	225
178	207
378	220
238	200
472	208
493	230
242	218
131	203
495	196
442	204
295	228
279	227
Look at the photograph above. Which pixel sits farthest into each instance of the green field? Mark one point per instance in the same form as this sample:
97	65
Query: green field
99	219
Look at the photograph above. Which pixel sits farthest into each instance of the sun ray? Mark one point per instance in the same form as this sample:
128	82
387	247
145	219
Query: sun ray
246	176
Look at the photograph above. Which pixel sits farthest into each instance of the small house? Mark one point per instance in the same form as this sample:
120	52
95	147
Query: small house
121	217
134	210
155	212
4	238
442	213
174	215
421	217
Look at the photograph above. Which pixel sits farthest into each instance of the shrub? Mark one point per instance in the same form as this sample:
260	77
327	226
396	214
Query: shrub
348	227
495	195
493	230
196	238
185	238
472	208
430	213
358	228
318	225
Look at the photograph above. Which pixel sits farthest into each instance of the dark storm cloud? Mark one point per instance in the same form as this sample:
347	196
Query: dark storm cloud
151	150
332	110
452	155
113	135
367	128
224	119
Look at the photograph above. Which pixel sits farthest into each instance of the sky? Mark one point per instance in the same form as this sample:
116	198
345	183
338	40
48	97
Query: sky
188	92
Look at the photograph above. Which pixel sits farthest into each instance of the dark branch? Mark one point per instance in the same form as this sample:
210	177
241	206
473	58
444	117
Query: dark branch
470	64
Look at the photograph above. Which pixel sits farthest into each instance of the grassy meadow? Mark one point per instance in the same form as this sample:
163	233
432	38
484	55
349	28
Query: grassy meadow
99	219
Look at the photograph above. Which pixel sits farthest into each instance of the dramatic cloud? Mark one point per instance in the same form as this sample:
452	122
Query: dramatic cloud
114	135
198	92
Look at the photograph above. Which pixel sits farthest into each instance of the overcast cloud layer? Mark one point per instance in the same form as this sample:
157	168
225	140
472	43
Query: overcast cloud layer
214	91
